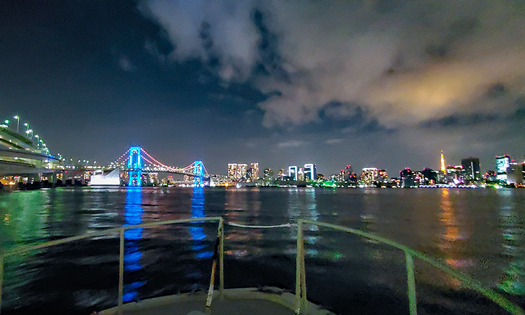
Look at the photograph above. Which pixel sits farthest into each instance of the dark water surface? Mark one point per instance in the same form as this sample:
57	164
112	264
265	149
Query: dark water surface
478	231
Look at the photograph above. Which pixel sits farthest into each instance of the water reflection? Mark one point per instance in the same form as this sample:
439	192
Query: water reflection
451	246
302	204
512	230
132	215
243	206
197	230
448	218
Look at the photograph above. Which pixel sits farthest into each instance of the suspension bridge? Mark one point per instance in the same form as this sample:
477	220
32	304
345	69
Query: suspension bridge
137	161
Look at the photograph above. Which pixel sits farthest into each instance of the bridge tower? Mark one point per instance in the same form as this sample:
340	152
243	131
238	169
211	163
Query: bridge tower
135	166
198	171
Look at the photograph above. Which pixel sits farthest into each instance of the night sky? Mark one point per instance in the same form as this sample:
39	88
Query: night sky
379	83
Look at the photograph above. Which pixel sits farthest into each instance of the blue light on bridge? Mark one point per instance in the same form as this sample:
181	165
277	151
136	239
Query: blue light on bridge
135	166
198	171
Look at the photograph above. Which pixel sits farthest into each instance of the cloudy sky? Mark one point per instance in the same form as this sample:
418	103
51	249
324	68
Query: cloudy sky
384	83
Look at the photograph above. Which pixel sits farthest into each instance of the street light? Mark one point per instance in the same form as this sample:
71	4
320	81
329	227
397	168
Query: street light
17	123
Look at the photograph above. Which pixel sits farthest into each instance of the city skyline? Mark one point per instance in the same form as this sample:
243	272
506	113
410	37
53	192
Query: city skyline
380	84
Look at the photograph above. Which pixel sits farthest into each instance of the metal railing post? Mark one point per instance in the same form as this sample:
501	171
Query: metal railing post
411	284
221	258
1	279
121	272
299	264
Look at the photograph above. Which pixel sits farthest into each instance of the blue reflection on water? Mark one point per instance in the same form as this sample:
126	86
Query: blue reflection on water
132	255
197	231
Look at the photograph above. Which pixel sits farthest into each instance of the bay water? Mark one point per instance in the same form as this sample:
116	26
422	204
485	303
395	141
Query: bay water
480	232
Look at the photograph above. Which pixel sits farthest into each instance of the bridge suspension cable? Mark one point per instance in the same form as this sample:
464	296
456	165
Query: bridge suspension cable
194	169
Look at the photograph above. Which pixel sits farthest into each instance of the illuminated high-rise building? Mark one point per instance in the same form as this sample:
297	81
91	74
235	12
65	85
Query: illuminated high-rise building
240	173
254	167
407	178
309	172
502	166
443	167
515	173
293	172
232	170
348	172
300	174
372	176
471	168
268	173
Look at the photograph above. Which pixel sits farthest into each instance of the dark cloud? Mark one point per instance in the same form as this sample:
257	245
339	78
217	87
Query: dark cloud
406	62
457	120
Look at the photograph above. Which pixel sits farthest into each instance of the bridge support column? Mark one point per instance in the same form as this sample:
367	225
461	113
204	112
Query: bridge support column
135	178
198	170
135	166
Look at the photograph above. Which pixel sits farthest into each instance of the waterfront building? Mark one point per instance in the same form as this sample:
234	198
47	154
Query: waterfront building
407	178
237	171
241	172
382	176
348	172
232	170
372	176
310	172
254	167
455	174
515	173
293	172
502	165
430	176
471	168
490	176
268	173
300	174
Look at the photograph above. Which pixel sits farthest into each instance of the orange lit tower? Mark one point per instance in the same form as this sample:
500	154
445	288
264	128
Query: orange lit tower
443	168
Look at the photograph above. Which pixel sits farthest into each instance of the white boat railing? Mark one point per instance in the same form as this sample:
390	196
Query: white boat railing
300	288
24	249
410	254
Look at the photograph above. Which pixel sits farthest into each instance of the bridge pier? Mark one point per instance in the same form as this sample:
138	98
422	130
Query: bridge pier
198	170
135	166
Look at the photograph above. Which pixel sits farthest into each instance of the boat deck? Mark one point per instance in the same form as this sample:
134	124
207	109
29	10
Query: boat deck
234	302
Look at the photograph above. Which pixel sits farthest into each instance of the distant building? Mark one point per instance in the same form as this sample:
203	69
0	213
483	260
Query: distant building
471	168
232	170
406	178
254	171
515	173
241	172
372	176
237	171
310	172
268	173
300	174
348	172
502	166
293	172
455	174
429	176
